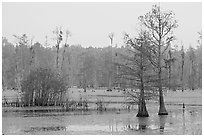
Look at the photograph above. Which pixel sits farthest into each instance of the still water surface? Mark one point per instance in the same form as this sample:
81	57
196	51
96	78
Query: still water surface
179	121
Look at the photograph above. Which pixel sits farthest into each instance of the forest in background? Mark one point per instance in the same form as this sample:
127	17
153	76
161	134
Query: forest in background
89	67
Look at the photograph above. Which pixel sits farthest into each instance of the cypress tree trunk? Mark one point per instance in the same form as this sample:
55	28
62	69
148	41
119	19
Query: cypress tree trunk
142	111
182	66
162	109
170	63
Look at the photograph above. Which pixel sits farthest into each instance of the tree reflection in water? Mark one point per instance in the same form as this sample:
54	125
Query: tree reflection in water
143	123
184	121
162	121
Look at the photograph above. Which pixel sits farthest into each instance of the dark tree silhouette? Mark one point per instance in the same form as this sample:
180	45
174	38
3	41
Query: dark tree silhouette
182	66
110	65
43	87
58	32
137	68
160	25
68	34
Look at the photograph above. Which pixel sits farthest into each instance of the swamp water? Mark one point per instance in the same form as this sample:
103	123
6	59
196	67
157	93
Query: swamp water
179	121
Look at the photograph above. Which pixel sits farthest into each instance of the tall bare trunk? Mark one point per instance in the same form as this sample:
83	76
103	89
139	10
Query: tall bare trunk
142	111
170	63
182	66
110	65
162	109
57	59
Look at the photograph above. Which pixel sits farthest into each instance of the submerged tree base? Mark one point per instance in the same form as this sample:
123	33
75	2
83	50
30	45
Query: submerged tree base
163	112
162	109
142	114
142	110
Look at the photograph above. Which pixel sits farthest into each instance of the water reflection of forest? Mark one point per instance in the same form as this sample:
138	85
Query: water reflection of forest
180	120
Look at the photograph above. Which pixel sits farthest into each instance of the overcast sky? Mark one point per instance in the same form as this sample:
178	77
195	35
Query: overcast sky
90	23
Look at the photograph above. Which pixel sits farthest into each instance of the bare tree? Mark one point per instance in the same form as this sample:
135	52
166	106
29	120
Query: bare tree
137	68
58	32
140	47
111	35
68	34
182	66
160	25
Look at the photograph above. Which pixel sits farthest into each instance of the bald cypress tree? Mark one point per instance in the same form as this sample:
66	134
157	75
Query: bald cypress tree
160	25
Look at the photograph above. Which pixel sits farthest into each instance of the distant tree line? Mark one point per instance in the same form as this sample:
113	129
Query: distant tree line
89	66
